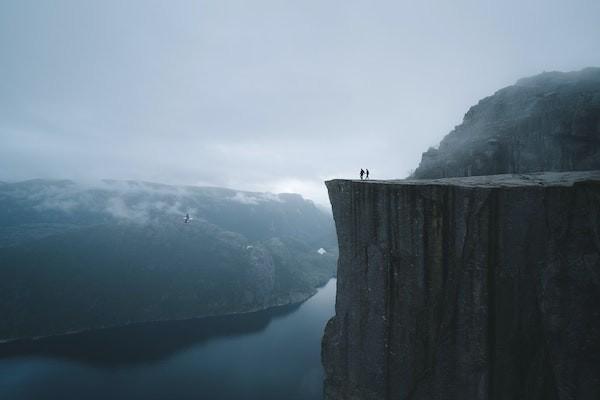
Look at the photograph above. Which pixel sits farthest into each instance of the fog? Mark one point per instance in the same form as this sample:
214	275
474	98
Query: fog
261	95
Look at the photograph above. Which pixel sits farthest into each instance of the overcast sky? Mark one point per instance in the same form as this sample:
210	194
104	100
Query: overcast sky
261	95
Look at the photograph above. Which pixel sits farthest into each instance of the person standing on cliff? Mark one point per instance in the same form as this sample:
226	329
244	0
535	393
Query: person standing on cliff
367	174
362	174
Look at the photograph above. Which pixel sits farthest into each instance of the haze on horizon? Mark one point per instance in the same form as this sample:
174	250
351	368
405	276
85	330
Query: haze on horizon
264	95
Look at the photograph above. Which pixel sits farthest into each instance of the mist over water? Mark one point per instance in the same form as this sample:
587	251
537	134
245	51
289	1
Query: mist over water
167	159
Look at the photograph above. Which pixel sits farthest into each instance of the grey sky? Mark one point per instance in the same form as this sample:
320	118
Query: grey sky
261	95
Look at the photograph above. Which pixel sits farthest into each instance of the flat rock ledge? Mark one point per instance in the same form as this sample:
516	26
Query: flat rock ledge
472	288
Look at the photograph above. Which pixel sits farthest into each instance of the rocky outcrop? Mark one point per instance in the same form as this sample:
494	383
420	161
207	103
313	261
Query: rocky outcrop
466	288
548	122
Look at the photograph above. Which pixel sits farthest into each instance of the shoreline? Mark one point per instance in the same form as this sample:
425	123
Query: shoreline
276	305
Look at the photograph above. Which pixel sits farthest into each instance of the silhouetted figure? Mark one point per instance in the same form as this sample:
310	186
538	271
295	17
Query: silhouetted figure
362	174
367	174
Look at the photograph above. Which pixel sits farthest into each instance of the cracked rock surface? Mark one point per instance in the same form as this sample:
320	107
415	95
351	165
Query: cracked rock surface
466	288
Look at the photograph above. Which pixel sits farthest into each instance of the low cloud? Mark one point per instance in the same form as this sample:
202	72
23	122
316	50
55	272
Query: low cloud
254	198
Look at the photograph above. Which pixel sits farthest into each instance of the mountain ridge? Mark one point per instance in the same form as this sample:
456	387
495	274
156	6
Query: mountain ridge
545	122
76	257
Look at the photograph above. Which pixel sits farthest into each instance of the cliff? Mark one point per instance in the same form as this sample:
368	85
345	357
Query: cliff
466	288
548	122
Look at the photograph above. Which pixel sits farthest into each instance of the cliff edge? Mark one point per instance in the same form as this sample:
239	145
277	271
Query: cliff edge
466	288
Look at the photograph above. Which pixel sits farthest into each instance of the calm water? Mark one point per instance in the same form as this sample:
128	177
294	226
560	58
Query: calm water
273	354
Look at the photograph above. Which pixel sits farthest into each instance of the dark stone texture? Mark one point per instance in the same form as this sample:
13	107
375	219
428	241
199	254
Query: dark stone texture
466	288
548	122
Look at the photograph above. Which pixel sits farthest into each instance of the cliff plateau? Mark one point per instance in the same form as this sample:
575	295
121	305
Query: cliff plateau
466	288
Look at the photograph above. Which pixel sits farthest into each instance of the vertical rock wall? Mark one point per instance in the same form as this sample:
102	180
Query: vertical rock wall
466	288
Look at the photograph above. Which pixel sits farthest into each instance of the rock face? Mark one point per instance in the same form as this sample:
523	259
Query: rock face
548	122
466	288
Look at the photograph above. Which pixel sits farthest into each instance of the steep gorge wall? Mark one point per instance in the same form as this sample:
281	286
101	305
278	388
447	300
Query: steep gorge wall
466	288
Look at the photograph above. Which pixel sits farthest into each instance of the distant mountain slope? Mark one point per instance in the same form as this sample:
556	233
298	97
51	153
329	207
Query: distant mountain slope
77	257
548	122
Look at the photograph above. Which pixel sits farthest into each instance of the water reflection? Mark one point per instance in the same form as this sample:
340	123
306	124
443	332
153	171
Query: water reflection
269	355
143	343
